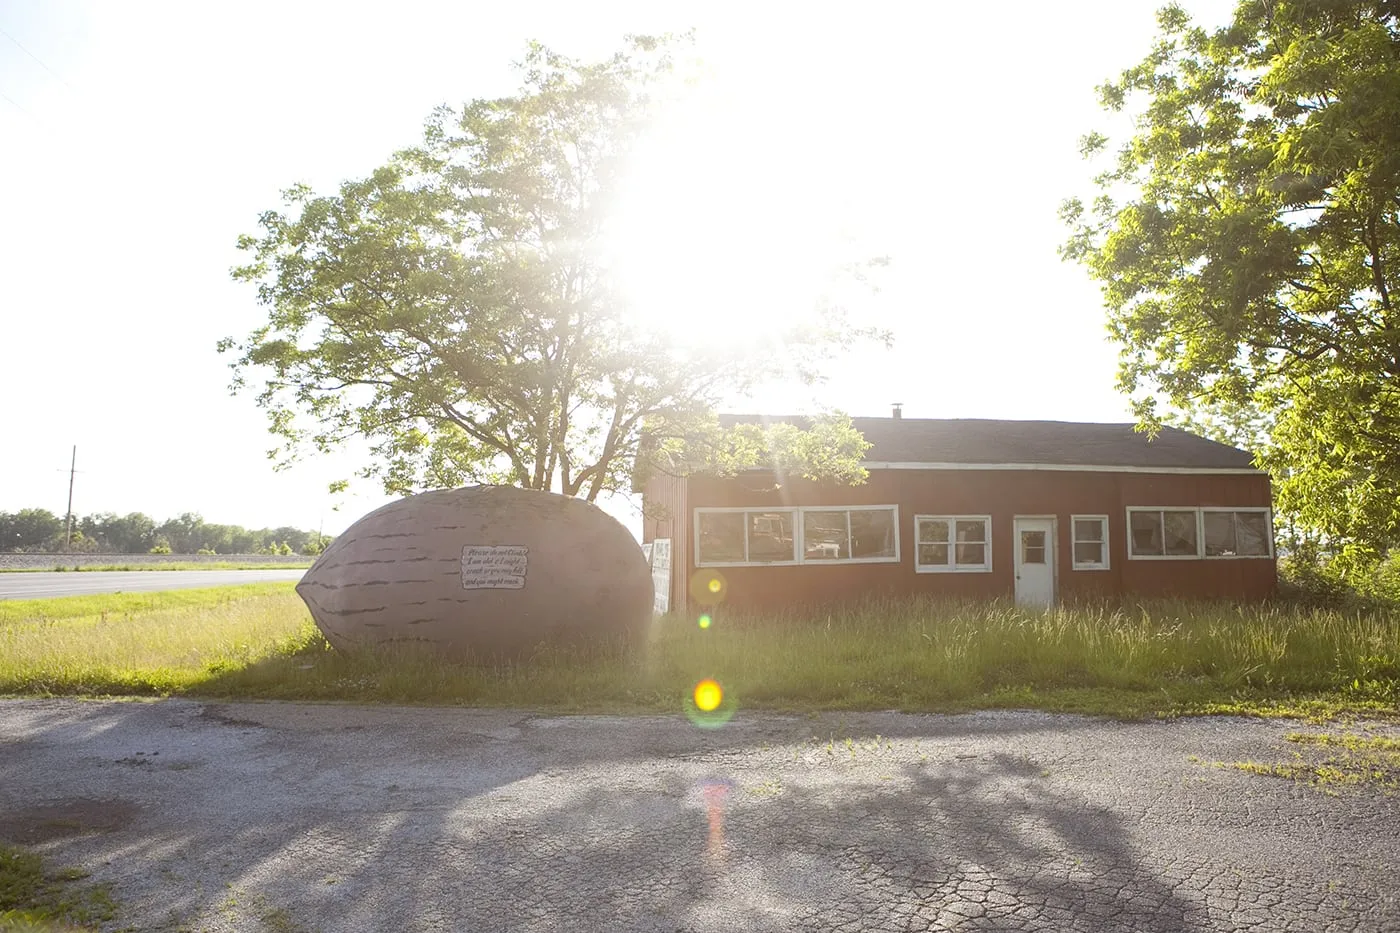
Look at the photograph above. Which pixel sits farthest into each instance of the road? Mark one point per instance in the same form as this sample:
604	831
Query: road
332	817
73	583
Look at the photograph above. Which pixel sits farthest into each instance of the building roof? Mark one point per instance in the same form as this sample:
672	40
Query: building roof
1062	443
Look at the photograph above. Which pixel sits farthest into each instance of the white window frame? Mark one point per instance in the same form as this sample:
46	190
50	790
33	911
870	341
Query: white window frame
799	528
953	566
1199	511
1128	532
1074	542
1268	534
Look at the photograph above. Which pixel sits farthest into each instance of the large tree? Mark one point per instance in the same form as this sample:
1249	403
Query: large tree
1247	241
456	308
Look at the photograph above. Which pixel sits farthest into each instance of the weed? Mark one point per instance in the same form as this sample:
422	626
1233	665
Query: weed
1328	761
32	898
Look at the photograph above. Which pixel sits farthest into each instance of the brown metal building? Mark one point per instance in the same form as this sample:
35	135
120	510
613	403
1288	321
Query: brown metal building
1041	511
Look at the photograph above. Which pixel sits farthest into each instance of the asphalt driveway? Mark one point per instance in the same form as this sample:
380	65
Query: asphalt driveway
338	818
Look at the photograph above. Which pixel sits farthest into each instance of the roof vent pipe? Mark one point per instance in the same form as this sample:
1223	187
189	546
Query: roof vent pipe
898	406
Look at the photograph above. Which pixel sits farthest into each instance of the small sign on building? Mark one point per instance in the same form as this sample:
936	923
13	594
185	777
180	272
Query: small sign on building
661	575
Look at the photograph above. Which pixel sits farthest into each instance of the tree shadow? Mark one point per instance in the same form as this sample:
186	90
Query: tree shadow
407	819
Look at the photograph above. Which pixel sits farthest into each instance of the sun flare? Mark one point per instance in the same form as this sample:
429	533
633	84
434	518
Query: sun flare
720	234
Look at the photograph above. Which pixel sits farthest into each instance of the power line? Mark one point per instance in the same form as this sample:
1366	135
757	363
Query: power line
56	75
17	104
43	127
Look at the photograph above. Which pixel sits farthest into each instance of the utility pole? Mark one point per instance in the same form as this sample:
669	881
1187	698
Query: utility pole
72	469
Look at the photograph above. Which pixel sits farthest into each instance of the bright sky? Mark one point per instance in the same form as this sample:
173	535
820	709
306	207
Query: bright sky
138	140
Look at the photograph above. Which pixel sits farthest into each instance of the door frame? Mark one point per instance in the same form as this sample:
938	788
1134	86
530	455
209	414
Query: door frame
1054	548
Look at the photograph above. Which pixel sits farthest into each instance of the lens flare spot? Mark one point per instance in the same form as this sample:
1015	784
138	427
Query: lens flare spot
708	588
708	696
706	621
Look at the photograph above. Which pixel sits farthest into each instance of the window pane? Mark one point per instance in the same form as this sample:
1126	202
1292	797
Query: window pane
1145	529
972	531
1179	532
933	530
1088	552
1032	547
1252	533
972	554
824	535
872	533
933	555
721	536
1220	534
770	536
1088	529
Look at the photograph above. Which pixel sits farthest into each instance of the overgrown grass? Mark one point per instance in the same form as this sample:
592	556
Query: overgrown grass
1158	659
35	899
289	564
143	643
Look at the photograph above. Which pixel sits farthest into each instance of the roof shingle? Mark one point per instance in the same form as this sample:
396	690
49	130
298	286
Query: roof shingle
973	440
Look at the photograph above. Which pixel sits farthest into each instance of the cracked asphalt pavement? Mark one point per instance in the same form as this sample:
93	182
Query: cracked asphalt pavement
295	816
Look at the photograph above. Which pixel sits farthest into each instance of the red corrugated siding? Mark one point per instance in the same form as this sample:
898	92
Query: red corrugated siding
1001	494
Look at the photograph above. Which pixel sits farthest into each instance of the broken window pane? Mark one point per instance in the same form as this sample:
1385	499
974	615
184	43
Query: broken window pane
872	533
1145	532
825	536
721	537
1179	533
770	536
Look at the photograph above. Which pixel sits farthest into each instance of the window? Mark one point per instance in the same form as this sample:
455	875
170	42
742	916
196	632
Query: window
1032	547
770	536
950	543
734	537
1162	533
873	534
1236	533
722	537
826	535
848	534
1199	533
1089	541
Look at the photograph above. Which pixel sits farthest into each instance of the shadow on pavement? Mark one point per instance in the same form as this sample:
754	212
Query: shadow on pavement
406	819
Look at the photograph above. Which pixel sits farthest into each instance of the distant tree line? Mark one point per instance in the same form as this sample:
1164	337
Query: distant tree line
41	531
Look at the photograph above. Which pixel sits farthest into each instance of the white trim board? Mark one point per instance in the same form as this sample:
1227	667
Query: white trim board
1058	467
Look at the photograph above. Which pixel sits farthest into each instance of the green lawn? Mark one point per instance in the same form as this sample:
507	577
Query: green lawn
1159	659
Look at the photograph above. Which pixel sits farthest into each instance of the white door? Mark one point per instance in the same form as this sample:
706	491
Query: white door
1035	561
